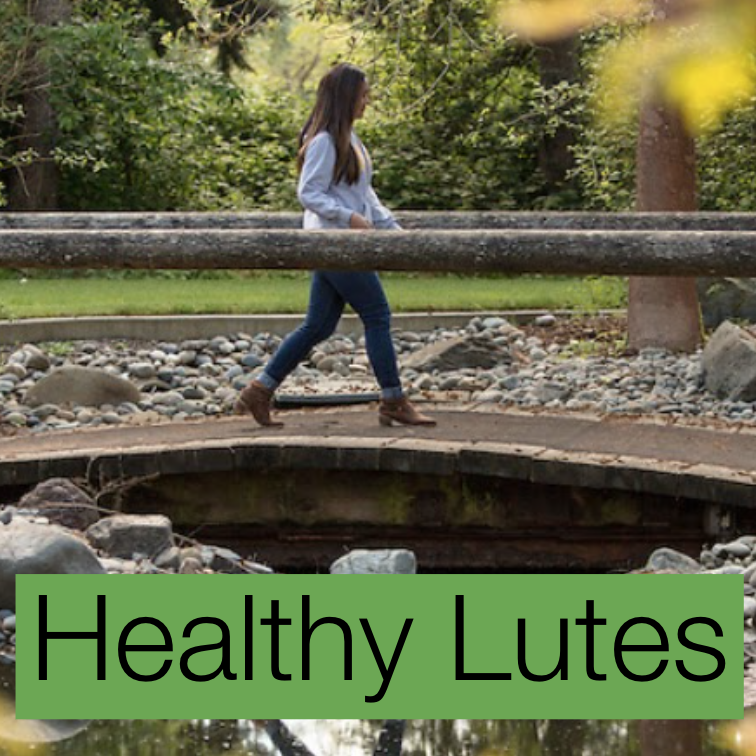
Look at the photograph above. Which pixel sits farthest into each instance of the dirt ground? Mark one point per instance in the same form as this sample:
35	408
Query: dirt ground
598	334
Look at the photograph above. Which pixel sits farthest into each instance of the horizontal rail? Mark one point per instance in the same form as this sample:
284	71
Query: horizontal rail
653	253
409	219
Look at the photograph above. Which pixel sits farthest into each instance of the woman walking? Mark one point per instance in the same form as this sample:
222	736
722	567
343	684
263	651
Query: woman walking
336	193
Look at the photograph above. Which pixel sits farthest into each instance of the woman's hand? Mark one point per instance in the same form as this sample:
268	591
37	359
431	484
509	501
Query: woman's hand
359	222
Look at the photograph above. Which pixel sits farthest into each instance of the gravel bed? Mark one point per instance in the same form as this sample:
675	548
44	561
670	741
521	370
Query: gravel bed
553	364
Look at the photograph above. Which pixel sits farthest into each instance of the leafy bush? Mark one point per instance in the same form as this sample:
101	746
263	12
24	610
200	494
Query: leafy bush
139	132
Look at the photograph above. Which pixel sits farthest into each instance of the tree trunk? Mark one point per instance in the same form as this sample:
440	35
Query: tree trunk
34	187
557	64
664	312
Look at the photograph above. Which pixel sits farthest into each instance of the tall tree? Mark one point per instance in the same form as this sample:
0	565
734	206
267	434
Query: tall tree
34	185
664	312
557	65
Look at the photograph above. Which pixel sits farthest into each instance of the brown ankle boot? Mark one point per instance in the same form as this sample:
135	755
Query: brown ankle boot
402	412
255	400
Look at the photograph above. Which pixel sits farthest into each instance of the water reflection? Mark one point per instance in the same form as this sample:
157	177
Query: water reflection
15	731
420	738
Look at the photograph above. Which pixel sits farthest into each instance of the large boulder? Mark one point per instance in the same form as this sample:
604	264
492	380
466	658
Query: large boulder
61	502
727	299
122	536
87	387
729	363
376	562
457	353
30	549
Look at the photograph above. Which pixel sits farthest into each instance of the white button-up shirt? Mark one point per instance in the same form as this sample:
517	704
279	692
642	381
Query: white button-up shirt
330	204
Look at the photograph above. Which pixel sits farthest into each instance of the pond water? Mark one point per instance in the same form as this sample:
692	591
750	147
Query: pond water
419	738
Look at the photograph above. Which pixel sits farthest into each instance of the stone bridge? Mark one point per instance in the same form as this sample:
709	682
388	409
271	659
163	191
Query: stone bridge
486	489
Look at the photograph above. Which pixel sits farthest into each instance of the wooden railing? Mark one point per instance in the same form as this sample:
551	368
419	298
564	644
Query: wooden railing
653	244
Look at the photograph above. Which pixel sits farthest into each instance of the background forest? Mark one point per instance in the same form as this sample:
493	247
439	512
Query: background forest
176	105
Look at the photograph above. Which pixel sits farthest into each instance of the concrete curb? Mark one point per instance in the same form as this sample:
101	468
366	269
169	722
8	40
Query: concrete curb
180	327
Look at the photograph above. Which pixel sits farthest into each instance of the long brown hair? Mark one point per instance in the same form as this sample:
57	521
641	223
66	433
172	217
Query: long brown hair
335	107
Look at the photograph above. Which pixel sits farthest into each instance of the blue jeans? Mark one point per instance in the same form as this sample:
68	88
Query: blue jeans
329	292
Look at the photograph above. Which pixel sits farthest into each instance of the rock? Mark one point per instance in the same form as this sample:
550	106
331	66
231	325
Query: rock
670	559
143	370
550	392
190	566
36	359
194	393
220	559
736	549
15	369
537	354
123	535
729	364
376	561
728	569
495	322
88	387
61	502
192	552
727	299
545	321
457	353
329	364
255	568
749	573
170	559
27	548
112	565
749	607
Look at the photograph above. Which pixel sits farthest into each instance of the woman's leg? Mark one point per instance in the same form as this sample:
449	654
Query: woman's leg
323	313
364	293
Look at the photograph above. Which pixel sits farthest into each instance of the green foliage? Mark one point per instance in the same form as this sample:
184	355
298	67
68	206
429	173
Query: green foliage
138	132
15	40
604	152
459	112
458	116
727	164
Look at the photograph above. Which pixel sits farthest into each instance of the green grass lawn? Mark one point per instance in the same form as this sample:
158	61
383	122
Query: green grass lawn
287	292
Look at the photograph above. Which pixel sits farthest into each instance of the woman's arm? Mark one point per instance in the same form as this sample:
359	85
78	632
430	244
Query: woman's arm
316	178
381	215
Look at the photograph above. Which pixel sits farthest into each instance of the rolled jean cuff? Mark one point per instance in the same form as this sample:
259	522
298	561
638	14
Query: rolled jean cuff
270	383
392	393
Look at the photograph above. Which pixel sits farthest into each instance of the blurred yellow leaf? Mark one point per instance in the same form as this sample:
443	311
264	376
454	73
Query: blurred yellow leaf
16	735
701	59
739	737
705	89
552	19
